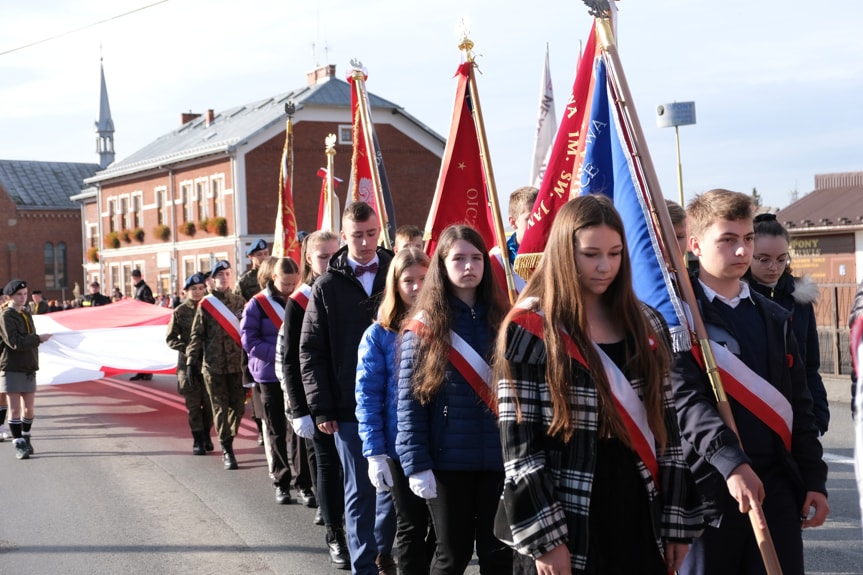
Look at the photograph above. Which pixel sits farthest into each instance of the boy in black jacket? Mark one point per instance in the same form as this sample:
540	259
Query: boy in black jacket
777	461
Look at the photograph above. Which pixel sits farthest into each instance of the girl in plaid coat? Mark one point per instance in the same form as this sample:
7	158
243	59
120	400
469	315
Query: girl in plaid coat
595	476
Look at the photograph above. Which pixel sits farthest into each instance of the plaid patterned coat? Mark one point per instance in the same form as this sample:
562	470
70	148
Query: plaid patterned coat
548	482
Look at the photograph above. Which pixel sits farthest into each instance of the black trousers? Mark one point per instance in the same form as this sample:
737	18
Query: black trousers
415	536
273	401
331	491
301	455
731	547
463	514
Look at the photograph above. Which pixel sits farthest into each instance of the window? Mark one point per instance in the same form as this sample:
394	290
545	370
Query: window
124	213
201	193
186	200
216	186
346	136
55	265
111	223
136	215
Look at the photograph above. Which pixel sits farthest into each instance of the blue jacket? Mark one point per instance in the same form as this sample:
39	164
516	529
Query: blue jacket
377	392
456	431
258	334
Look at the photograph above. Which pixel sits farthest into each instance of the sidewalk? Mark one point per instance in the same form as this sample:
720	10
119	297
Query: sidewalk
838	388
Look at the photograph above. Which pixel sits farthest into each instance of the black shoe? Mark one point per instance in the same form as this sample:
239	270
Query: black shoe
338	548
208	441
228	459
147	376
308	498
29	446
261	439
198	444
319	517
136	377
283	496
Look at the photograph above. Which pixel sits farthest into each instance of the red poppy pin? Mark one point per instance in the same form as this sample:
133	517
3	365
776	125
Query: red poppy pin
790	359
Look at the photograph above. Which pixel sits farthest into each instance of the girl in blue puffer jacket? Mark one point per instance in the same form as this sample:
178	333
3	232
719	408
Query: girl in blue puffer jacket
377	403
448	440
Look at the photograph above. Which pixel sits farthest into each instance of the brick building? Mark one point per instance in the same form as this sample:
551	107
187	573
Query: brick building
206	190
40	226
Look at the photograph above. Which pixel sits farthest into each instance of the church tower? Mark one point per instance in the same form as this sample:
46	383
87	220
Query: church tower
105	126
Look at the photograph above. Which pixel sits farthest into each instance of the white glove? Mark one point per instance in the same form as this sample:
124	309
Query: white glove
423	484
304	426
379	473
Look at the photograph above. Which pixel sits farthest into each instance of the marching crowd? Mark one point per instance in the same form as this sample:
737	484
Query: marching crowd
427	419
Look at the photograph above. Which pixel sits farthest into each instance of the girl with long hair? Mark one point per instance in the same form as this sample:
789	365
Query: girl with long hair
262	319
377	406
318	450
448	441
770	274
579	359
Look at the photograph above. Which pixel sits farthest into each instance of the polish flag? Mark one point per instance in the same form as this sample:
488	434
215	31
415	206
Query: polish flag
96	342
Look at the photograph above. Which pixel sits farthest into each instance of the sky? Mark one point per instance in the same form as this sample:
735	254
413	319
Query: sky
776	84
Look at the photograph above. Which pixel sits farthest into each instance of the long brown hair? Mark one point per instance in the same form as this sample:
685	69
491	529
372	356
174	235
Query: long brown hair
393	309
434	345
556	284
309	243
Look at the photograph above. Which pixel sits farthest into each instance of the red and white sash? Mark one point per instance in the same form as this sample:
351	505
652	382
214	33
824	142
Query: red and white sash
466	361
752	391
223	316
274	310
500	272
301	296
629	405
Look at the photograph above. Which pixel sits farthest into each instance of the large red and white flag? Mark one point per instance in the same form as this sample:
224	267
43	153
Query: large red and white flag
92	343
564	164
461	196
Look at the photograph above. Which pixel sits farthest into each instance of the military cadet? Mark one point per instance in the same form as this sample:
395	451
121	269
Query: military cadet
215	353
95	297
247	285
195	393
38	305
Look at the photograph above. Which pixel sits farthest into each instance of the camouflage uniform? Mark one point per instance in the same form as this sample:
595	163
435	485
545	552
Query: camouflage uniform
221	358
247	286
197	401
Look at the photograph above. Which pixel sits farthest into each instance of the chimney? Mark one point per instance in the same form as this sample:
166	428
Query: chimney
321	74
186	117
210	117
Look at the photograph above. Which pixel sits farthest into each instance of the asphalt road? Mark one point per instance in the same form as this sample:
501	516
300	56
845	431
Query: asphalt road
113	489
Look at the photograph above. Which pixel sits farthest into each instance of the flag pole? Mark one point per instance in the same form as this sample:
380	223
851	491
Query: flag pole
466	46
359	85
601	11
330	150
285	178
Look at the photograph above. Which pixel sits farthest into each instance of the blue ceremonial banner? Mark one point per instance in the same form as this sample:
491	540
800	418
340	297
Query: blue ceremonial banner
608	168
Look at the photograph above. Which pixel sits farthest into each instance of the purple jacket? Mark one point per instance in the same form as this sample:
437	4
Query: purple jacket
259	336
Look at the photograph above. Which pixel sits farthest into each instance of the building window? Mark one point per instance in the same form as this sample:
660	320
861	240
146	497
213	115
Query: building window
112	225
136	215
55	265
188	205
346	136
124	213
216	186
201	193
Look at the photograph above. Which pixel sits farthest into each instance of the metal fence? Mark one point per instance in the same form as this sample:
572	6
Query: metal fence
831	315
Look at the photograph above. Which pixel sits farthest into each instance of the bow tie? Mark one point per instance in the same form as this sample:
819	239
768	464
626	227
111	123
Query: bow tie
371	268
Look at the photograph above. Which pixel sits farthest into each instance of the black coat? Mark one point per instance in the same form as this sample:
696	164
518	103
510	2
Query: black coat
711	448
338	314
798	295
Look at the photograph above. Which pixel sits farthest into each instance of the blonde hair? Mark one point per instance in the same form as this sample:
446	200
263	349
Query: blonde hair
522	200
312	241
705	209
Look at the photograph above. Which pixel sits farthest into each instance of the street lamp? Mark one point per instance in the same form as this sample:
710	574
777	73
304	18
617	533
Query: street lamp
676	114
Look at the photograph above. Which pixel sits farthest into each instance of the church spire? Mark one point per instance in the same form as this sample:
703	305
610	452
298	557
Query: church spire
105	125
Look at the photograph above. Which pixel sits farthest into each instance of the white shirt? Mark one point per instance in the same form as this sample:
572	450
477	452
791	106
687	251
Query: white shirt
733	302
367	280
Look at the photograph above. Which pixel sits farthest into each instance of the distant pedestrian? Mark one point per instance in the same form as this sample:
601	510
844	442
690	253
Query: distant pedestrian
95	297
38	305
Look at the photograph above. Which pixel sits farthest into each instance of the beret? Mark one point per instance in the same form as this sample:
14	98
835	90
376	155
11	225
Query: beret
192	280
256	246
220	265
14	286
